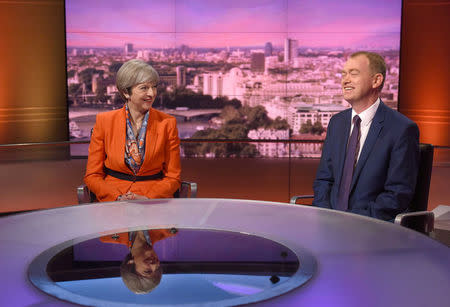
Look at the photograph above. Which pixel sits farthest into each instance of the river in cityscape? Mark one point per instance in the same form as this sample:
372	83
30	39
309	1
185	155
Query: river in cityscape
82	120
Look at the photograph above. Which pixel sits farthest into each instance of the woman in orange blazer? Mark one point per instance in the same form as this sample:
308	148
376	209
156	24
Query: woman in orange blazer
134	151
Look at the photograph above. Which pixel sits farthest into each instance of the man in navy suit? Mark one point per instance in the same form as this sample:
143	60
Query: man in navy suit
370	170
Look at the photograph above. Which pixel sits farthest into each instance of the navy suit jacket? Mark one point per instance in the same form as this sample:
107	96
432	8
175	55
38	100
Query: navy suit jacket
385	176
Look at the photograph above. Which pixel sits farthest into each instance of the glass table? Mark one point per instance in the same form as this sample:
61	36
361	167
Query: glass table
239	250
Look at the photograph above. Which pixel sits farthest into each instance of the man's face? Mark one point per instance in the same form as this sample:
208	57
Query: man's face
358	81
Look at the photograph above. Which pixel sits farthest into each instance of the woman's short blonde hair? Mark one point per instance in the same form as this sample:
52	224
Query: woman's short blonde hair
135	282
132	73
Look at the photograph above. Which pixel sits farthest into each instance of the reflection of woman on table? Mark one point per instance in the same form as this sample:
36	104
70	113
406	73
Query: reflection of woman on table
134	151
140	270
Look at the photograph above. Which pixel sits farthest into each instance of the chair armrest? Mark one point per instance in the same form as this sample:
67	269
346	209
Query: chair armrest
421	221
188	189
297	197
83	194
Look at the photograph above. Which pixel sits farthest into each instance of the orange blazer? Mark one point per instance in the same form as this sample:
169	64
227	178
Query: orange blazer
124	238
107	147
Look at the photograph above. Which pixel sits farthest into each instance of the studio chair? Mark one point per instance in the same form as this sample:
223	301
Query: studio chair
417	217
421	221
186	190
295	198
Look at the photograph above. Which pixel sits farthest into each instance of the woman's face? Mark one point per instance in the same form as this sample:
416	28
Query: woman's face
142	96
146	261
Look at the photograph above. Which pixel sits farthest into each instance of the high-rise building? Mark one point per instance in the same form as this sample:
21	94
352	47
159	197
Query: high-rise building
233	85
143	55
128	48
181	76
213	84
207	84
217	85
290	50
268	49
95	78
257	61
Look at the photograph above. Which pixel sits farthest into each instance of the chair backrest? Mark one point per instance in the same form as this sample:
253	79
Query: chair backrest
186	190
420	198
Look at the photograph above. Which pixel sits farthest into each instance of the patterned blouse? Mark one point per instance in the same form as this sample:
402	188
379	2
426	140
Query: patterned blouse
135	146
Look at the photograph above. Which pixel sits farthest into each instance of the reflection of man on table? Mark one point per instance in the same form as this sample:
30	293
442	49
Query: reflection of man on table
370	156
140	270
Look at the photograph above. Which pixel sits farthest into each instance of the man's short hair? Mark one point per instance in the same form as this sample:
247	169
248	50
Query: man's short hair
376	63
135	282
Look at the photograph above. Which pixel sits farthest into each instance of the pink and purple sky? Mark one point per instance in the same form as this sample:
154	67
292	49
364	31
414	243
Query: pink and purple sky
233	23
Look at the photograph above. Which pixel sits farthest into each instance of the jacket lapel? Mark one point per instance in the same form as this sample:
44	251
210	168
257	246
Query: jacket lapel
151	139
342	145
120	129
374	131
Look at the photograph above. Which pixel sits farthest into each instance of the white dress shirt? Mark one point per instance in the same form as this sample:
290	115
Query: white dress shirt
366	120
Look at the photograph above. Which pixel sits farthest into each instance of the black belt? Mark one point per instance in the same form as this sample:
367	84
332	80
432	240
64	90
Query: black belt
134	178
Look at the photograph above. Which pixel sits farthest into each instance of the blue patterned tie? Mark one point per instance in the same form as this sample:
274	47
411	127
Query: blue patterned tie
349	165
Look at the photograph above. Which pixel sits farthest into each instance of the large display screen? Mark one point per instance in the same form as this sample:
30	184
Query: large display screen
236	69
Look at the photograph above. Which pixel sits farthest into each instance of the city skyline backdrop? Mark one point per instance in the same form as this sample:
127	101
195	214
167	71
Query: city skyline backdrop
240	69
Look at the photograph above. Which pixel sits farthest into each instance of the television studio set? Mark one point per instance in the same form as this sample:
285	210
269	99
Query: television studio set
223	153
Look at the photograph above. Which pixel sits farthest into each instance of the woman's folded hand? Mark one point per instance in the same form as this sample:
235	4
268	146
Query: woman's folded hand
130	196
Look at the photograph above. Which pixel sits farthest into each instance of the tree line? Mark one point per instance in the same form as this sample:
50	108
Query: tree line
237	122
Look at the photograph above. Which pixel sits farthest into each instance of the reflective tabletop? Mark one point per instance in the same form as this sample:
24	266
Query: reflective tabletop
341	259
150	266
